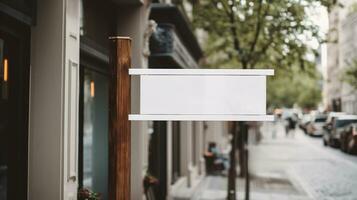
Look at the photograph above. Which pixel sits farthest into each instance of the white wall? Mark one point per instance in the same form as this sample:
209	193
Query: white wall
217	132
347	30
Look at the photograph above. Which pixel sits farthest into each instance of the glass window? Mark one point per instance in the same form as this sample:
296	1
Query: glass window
95	132
342	123
320	119
13	116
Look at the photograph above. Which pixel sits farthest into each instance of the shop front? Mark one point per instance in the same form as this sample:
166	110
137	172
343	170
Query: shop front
15	25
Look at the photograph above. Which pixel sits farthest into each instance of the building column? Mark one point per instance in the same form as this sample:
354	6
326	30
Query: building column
185	151
200	147
54	94
169	156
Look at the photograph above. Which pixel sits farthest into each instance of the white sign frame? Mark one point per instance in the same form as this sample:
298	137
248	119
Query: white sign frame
184	103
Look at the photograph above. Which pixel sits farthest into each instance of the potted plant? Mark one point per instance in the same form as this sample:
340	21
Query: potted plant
87	194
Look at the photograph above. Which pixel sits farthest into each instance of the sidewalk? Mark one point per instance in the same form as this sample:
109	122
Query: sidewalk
321	173
297	167
271	178
262	188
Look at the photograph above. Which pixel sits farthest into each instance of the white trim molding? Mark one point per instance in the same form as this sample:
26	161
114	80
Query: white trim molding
226	72
135	117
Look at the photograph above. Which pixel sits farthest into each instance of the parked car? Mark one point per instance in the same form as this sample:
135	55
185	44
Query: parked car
337	127
304	122
330	120
348	139
315	127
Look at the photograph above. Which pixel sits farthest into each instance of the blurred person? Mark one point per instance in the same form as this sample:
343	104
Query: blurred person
277	120
219	158
274	129
290	126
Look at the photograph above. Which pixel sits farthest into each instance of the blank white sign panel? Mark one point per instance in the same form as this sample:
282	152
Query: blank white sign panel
202	95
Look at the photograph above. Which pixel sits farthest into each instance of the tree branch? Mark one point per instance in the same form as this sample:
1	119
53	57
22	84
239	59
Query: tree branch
262	51
258	26
230	15
234	34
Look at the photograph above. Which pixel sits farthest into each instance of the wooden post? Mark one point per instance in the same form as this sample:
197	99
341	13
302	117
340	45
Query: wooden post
119	125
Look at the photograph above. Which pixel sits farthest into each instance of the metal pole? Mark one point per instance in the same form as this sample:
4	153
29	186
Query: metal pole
247	176
119	124
241	139
232	173
243	156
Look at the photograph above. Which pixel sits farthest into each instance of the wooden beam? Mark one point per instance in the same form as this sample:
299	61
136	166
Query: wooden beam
119	125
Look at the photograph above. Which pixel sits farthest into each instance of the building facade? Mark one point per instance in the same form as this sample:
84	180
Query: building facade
54	98
341	53
347	54
332	83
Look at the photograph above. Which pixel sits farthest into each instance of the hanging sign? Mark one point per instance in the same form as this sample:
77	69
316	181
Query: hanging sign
202	94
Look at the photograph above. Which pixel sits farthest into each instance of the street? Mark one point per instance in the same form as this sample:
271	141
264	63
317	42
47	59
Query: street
171	99
293	167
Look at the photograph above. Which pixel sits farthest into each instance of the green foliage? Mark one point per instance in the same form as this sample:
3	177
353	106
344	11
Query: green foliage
257	33
353	8
286	89
329	4
252	34
350	74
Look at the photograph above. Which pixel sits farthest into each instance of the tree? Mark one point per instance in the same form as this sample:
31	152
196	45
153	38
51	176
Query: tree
350	74
252	34
288	89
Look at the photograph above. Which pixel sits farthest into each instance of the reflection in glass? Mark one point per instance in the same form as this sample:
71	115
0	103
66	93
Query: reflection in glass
6	70
95	133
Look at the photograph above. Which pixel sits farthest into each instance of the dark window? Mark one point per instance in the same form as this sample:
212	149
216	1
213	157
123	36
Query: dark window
158	158
320	119
97	23
342	123
175	151
14	77
26	7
